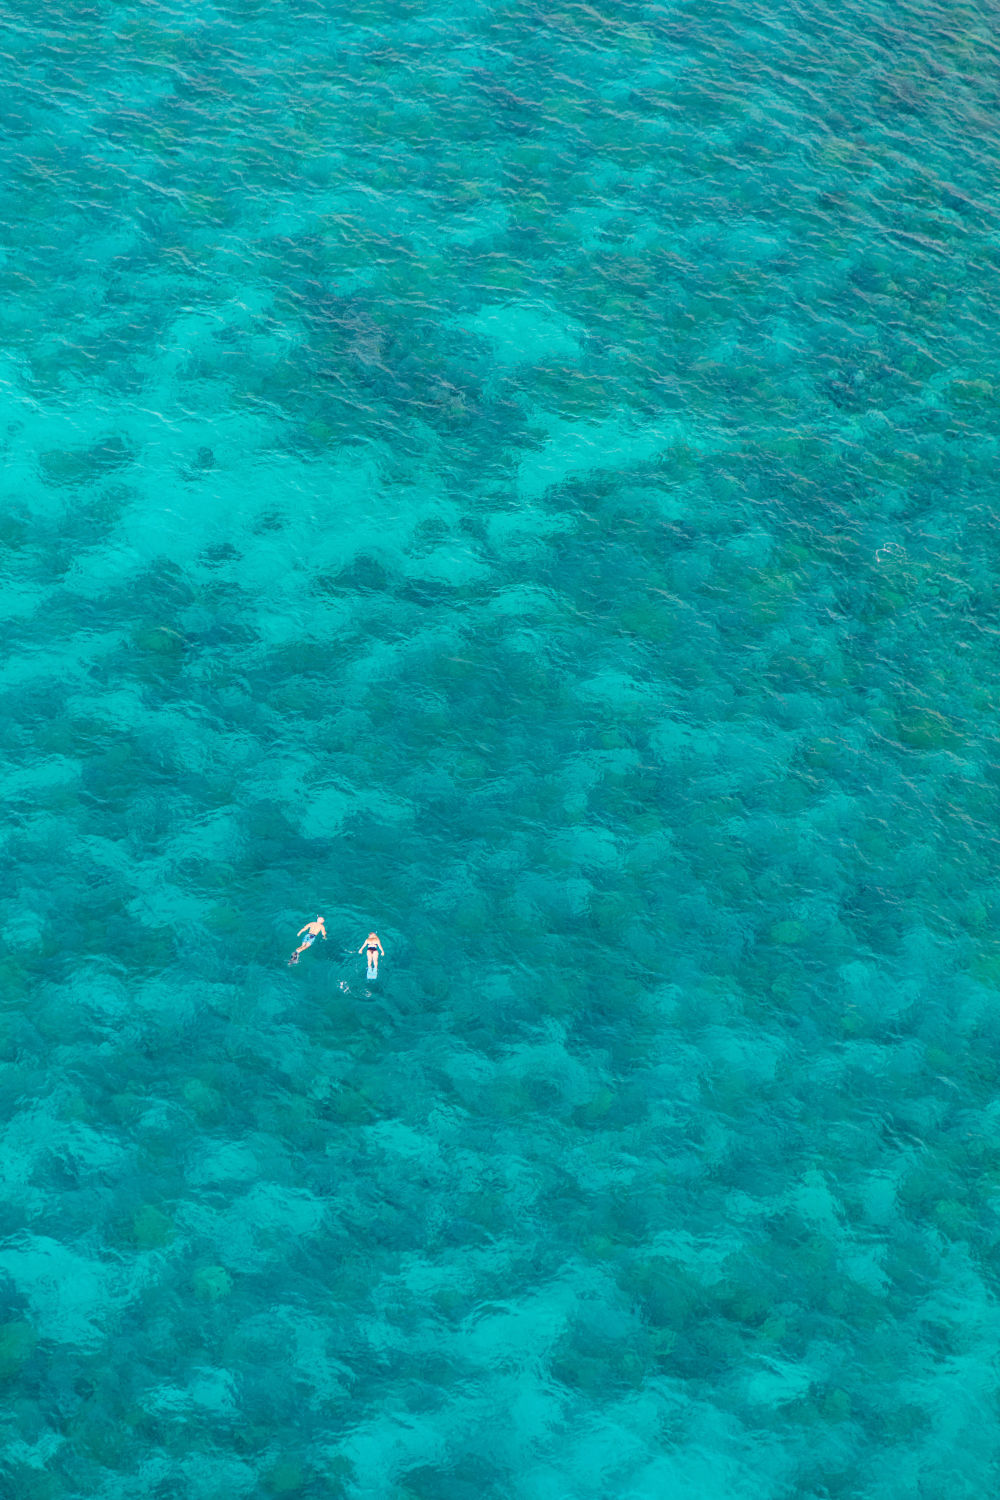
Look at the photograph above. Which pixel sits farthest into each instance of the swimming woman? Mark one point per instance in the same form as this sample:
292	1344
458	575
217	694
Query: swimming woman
313	930
374	947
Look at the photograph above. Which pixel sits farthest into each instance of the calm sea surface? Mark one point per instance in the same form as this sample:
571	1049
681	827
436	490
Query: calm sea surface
521	477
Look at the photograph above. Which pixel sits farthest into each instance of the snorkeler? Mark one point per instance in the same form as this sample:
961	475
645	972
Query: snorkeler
374	947
313	931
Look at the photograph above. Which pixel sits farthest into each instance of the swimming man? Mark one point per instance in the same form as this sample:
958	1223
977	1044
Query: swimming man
374	947
313	931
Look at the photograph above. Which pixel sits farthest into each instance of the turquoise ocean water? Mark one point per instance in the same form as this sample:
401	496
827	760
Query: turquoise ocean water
522	477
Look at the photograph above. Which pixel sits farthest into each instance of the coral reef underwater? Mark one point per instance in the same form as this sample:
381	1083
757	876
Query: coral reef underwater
523	477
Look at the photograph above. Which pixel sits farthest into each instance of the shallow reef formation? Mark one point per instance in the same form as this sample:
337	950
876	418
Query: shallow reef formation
523	477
